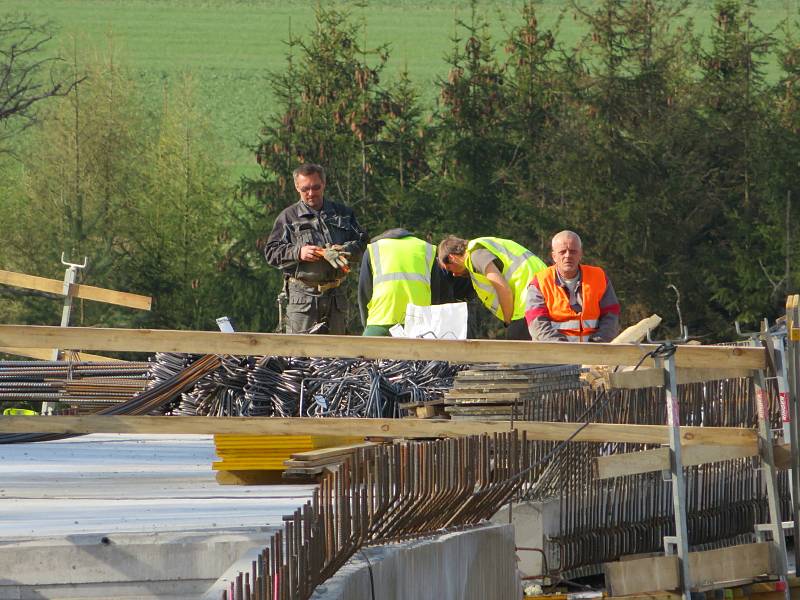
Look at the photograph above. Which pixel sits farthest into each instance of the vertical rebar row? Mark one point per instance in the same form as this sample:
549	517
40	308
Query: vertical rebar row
385	493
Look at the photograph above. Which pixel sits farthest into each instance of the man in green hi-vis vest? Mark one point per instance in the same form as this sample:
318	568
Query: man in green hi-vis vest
397	269
500	271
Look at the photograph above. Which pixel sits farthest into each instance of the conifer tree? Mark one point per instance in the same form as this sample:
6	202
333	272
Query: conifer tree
175	227
471	145
735	225
622	171
528	209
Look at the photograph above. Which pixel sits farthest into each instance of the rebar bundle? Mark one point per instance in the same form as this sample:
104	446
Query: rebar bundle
153	399
385	493
71	382
321	387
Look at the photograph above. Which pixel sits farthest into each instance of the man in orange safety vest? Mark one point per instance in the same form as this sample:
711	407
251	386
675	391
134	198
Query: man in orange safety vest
569	301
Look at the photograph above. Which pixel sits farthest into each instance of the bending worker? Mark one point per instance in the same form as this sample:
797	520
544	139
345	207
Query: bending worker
311	243
500	271
571	302
397	269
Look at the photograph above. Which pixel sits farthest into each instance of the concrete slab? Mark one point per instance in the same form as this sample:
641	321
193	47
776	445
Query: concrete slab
471	564
126	516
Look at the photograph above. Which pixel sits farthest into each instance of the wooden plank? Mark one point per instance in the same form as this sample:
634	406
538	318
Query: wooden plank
632	463
328	452
290	463
47	354
652	377
383	428
657	459
634	380
638	331
425	412
77	290
708	568
457	351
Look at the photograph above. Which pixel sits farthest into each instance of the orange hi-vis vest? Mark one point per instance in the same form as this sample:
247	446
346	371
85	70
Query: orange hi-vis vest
576	326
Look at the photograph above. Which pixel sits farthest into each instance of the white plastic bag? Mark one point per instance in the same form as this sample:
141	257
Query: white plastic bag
441	321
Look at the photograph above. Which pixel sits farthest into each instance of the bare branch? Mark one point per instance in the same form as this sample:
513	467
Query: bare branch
26	75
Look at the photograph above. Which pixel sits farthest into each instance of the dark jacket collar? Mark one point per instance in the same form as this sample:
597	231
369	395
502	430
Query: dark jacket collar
304	210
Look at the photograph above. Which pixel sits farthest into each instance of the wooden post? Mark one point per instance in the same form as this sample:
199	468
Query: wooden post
793	371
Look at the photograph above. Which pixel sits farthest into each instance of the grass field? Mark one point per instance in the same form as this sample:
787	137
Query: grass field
230	45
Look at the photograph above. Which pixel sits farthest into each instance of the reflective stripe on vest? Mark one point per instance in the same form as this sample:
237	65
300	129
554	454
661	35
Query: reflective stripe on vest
577	327
519	267
401	275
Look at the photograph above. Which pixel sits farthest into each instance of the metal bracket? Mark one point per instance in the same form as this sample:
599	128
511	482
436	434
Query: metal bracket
681	340
745	334
69	280
75	265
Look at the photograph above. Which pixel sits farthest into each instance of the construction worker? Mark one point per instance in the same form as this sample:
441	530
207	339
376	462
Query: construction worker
312	242
571	302
397	269
500	271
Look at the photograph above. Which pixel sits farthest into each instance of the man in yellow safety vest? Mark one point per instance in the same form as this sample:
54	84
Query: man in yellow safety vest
500	271
397	269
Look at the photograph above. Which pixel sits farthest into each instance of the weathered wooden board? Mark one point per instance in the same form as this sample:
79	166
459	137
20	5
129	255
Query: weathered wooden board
383	428
458	351
77	290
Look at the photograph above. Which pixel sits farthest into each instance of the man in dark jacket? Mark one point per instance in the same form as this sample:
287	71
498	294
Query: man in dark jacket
312	242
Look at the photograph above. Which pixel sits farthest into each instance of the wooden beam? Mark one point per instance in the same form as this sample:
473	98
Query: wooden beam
394	428
47	354
85	292
653	377
632	463
276	344
90	292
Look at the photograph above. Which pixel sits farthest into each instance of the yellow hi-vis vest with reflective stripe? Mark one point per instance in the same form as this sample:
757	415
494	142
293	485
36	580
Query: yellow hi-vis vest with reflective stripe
519	267
401	274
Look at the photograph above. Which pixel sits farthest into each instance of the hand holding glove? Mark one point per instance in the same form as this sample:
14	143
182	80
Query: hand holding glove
337	256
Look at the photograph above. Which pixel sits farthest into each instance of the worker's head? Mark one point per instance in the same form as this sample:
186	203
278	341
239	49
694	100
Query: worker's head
567	253
451	255
309	181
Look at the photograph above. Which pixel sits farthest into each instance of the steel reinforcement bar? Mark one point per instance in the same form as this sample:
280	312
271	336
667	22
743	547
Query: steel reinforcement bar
385	493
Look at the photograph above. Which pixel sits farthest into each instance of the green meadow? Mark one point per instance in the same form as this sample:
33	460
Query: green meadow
230	46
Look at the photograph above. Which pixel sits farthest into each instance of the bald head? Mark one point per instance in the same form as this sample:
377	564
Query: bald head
567	253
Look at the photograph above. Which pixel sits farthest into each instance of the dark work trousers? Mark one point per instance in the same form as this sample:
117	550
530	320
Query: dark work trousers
304	310
518	330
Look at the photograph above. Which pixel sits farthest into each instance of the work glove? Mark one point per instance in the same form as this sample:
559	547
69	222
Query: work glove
337	256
